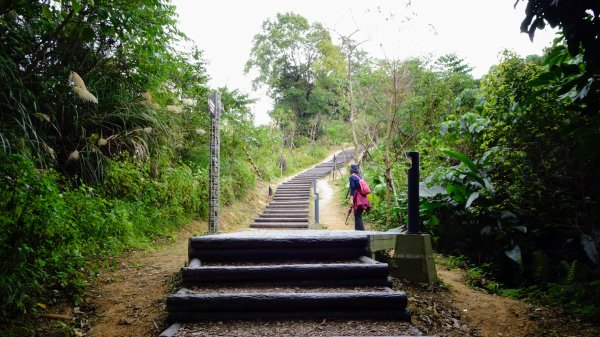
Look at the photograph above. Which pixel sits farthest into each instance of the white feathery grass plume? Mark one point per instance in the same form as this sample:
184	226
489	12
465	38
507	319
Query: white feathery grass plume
49	150
74	155
102	142
148	130
80	89
148	101
174	108
187	101
200	131
147	97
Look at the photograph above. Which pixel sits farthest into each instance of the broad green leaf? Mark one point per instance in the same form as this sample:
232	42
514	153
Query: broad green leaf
514	254
589	246
472	198
76	5
464	159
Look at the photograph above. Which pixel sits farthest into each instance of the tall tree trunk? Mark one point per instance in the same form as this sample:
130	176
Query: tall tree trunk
388	145
352	117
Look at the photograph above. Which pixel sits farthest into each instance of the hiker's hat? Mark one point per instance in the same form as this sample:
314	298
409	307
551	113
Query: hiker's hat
353	168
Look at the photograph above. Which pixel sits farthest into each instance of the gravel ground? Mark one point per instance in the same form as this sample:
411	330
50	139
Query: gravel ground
298	328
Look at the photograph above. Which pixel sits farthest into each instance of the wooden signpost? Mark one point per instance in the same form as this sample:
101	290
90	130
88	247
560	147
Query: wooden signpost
214	193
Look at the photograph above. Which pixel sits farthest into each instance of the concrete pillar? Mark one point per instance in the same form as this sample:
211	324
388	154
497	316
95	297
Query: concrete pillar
413	259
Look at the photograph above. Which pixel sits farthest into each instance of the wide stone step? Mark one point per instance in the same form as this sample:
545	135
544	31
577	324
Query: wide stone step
286	215
291	198
283	203
294	187
349	274
278	246
285	211
312	239
297	206
292	194
290	219
293	190
190	307
279	225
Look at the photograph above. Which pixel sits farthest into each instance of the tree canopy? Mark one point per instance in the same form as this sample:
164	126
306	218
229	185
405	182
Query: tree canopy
298	63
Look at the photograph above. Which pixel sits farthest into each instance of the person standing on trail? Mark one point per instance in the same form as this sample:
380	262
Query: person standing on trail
359	201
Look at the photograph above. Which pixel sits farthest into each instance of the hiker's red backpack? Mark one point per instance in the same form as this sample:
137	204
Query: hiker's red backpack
364	187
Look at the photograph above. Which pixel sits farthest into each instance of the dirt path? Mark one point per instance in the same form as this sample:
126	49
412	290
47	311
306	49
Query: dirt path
488	314
332	211
129	299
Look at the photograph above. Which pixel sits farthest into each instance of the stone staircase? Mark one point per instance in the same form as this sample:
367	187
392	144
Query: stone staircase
290	204
315	274
280	273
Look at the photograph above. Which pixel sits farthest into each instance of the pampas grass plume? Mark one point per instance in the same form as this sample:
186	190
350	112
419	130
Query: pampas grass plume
80	89
74	155
174	108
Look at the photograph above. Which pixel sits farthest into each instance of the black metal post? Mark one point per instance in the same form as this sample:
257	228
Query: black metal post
413	194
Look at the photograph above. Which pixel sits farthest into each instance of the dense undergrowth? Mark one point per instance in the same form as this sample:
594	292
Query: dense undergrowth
54	237
509	184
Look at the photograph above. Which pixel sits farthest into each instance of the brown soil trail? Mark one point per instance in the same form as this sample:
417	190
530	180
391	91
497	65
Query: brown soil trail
490	315
129	300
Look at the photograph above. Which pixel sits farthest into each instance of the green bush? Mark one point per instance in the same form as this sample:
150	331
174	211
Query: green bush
39	252
48	236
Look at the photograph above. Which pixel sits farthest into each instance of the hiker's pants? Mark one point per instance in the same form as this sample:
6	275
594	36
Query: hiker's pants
358	220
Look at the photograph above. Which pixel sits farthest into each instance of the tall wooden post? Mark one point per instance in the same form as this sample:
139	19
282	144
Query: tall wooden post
214	192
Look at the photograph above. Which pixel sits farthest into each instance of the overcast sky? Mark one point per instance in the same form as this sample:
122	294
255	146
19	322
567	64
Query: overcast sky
476	30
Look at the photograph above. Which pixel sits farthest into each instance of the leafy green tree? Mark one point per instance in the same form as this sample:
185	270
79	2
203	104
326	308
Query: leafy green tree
294	60
579	21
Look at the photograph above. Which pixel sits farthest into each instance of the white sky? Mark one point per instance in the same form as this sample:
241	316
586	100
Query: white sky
476	30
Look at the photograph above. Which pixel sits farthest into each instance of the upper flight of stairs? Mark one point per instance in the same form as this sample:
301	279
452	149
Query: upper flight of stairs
290	204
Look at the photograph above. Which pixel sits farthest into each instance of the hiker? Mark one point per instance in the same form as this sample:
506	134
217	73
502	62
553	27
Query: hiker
359	200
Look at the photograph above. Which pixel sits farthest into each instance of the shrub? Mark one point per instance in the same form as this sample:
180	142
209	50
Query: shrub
38	248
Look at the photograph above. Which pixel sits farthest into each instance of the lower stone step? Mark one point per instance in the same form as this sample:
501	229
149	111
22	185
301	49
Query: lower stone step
286	214
191	307
276	254
315	274
287	206
286	211
282	225
286	219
